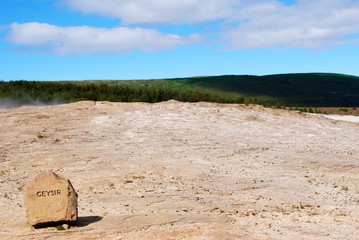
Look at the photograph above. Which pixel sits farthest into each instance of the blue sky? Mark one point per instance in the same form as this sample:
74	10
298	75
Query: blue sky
149	39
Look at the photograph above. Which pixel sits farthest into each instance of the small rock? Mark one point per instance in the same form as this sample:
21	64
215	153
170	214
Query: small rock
184	210
65	226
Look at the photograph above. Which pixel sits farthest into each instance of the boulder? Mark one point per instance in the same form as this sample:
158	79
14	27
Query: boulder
50	199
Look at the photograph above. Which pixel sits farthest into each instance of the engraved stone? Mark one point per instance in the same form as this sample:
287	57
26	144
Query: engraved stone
50	199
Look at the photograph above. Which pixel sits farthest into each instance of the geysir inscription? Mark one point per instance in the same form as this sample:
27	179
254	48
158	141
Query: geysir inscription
50	199
48	193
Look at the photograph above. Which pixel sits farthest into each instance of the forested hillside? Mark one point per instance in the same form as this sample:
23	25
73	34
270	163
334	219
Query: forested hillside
291	90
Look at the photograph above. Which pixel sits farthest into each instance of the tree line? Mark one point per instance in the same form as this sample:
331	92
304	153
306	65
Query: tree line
29	92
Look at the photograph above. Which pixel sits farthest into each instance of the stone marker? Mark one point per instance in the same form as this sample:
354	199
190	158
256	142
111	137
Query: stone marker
50	199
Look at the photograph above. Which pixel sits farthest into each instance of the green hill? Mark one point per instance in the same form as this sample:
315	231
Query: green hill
302	90
313	89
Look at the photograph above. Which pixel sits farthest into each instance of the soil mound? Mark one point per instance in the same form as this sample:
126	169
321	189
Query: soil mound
177	170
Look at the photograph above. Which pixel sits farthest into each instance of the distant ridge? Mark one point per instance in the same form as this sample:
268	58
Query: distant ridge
291	90
296	89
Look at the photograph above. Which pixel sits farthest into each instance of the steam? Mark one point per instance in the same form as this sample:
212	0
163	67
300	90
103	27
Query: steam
10	103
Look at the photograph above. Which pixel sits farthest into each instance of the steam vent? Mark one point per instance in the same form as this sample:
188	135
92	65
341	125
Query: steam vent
49	200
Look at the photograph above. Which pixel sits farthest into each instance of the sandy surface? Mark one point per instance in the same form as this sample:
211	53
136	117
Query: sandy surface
184	171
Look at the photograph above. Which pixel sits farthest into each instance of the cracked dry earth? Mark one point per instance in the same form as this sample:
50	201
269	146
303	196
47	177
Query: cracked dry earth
184	171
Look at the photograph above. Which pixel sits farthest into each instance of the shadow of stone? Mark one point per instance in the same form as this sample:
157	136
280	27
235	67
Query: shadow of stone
85	221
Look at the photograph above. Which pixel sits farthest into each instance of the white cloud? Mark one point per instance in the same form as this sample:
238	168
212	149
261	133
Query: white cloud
249	23
243	24
156	11
307	24
87	40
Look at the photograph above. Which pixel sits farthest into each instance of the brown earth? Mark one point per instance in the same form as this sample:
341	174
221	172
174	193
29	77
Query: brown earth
184	171
339	111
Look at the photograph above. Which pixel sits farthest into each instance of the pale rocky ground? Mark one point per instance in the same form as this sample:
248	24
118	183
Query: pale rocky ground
184	171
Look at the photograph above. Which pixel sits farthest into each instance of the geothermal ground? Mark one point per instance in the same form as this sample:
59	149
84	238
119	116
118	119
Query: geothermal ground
184	171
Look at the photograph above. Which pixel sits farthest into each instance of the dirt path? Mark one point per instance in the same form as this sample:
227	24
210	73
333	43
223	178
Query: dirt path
184	171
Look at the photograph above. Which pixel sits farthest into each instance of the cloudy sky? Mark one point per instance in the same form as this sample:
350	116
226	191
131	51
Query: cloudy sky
146	39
